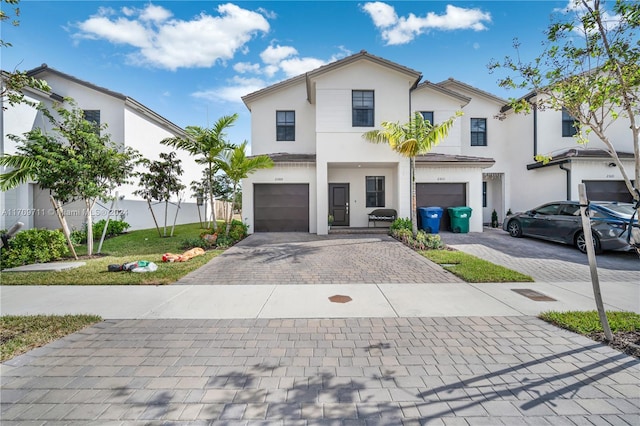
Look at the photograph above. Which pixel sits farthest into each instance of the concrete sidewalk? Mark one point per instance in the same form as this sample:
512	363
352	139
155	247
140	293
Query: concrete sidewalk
312	301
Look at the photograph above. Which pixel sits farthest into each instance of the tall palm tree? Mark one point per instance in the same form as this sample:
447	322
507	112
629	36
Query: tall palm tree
238	166
417	137
208	146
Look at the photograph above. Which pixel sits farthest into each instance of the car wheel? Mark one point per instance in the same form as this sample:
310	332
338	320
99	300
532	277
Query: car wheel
581	243
514	228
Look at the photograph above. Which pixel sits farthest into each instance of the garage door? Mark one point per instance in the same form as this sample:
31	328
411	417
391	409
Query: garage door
441	195
281	207
607	190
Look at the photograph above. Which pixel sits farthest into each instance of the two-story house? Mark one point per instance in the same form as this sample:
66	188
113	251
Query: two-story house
312	126
129	124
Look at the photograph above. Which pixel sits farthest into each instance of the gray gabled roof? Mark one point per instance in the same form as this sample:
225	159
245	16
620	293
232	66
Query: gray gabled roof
566	156
445	91
44	69
452	82
453	159
310	75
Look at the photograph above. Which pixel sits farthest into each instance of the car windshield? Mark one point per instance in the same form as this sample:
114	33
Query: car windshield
623	209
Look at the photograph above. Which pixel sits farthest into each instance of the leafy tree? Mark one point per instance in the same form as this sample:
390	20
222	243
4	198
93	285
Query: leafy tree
238	166
207	145
417	137
76	161
161	182
590	66
14	82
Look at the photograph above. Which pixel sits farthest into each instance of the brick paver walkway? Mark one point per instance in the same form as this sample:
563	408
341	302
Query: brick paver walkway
387	371
295	258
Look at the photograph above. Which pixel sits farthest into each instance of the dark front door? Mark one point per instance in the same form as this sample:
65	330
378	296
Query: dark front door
339	203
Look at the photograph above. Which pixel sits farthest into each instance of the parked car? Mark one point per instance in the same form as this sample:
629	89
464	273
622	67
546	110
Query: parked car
560	221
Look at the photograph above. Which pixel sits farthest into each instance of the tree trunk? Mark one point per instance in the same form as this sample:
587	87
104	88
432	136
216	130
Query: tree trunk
166	211
212	199
153	215
88	204
175	218
65	227
588	237
233	204
414	202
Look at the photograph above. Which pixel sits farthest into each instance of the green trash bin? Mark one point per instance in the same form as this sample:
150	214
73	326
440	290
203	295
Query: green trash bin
459	217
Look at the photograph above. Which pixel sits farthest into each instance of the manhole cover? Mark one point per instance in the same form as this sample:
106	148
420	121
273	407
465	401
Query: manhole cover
340	299
533	295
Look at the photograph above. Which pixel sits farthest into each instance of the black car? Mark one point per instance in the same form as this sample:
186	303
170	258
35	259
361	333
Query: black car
560	221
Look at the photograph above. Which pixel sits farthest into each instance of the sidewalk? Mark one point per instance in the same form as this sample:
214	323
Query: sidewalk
312	301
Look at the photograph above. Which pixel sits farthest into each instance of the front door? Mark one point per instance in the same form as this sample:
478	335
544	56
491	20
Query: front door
339	203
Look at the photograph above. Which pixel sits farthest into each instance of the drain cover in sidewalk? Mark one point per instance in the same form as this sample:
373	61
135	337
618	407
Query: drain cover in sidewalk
533	295
340	299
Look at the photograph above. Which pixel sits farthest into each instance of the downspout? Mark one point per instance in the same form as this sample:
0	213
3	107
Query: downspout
535	132
561	165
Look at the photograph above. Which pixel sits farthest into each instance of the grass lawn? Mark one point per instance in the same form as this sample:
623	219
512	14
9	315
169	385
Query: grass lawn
625	327
136	245
473	269
19	334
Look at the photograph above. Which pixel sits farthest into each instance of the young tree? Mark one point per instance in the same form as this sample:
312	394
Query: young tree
417	137
77	161
161	182
591	67
238	166
207	145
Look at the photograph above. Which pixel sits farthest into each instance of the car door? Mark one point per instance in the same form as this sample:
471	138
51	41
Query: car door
540	223
566	223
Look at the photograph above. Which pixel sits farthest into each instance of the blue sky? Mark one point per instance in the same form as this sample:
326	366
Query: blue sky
191	61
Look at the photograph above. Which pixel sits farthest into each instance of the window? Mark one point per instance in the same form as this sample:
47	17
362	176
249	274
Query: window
285	125
362	104
375	191
568	124
548	210
427	115
92	116
478	132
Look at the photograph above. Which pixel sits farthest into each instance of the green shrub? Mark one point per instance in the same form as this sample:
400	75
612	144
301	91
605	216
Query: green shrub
34	246
422	241
189	243
116	227
400	223
238	231
78	236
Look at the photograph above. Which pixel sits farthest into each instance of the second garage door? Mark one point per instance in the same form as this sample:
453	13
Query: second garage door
607	190
281	207
441	195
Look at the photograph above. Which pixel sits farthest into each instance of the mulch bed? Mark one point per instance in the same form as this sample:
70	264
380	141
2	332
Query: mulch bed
624	341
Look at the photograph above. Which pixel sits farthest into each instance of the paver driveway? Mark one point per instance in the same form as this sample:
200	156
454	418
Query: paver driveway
300	258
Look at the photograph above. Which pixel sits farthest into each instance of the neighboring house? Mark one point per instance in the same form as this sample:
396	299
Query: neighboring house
129	123
312	126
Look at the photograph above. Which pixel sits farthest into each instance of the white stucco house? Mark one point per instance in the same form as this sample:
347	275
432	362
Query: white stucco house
312	125
129	123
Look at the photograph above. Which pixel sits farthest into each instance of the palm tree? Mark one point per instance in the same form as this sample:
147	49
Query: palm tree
417	137
208	145
238	166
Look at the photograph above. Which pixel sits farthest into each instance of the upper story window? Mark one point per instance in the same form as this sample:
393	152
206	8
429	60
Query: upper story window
427	115
478	132
362	107
569	124
375	191
93	116
285	125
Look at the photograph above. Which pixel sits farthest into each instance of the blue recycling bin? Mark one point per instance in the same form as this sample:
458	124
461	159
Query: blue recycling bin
430	218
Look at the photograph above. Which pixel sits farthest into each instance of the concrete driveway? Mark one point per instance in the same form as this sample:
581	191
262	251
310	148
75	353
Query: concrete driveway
545	261
301	258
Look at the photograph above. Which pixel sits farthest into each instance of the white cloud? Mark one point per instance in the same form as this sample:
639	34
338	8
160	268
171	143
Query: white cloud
402	30
170	43
296	66
274	54
233	91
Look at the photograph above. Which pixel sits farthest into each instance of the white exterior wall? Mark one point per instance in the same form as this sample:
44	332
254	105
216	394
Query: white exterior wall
443	107
470	176
263	122
281	173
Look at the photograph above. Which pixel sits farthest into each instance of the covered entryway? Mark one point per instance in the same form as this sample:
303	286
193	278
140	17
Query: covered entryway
607	190
281	207
441	195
